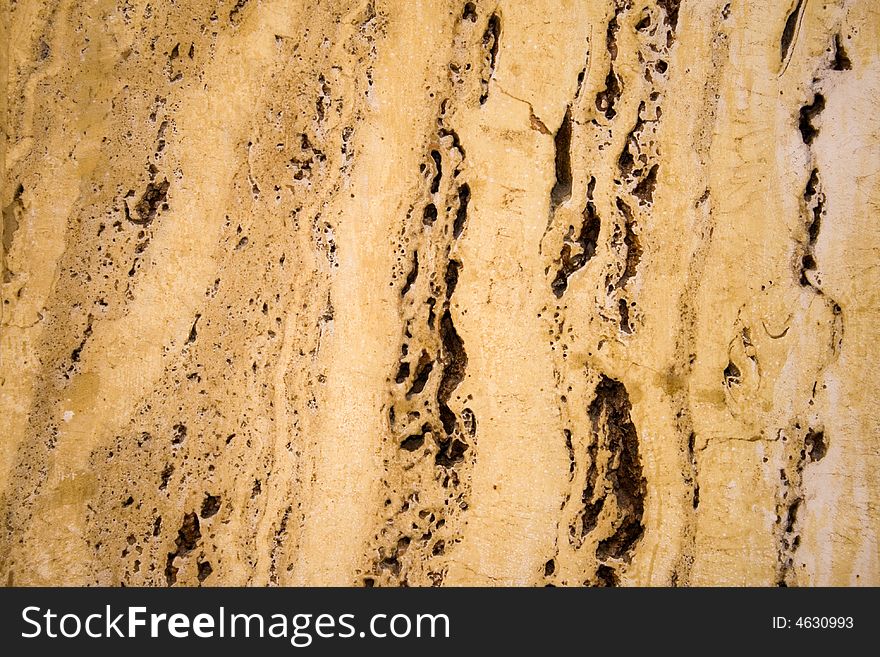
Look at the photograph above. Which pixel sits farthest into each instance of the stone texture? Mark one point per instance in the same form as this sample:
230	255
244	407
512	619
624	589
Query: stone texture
440	293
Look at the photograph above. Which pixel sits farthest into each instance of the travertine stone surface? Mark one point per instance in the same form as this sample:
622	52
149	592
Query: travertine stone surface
439	293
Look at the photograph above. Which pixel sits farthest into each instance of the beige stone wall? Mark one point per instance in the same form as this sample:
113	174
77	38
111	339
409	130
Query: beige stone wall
426	292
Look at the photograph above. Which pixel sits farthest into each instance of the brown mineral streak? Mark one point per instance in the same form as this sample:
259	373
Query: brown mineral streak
423	293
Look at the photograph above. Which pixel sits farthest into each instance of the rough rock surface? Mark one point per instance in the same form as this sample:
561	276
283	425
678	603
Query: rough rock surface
436	292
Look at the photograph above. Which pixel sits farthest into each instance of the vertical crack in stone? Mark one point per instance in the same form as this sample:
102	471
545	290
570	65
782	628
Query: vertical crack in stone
808	114
814	208
491	43
631	187
429	463
804	446
454	359
814	202
631	242
610	414
619	128
800	448
561	191
614	494
11	220
577	250
607	98
790	32
841	60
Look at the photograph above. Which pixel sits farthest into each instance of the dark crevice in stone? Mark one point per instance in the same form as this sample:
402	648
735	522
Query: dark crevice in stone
153	199
188	537
561	191
789	31
491	41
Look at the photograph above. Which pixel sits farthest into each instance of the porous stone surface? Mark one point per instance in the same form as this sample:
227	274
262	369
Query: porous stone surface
437	292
